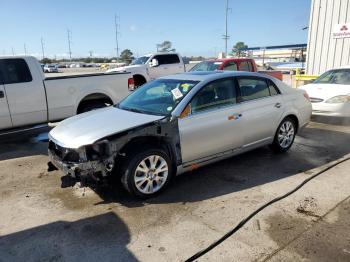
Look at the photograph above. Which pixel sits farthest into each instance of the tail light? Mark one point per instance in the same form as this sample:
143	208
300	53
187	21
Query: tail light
131	84
306	95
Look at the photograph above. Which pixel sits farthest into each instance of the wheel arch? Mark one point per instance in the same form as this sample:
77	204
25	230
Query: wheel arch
139	79
98	96
149	141
295	119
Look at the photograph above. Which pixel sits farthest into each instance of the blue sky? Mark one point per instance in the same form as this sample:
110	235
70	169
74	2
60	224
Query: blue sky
195	27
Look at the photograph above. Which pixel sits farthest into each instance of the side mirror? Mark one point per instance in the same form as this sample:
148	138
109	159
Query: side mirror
186	111
154	63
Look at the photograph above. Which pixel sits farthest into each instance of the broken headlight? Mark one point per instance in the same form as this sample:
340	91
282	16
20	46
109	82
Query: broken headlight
97	150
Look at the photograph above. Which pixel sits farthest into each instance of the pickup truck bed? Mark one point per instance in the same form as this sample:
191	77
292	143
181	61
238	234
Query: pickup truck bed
64	94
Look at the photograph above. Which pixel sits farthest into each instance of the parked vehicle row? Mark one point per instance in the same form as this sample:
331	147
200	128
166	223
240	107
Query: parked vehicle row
28	98
178	123
234	64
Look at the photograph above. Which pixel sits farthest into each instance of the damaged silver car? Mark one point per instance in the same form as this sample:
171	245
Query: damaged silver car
176	124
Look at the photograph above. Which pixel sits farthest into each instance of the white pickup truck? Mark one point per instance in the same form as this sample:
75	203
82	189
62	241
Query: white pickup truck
152	66
28	98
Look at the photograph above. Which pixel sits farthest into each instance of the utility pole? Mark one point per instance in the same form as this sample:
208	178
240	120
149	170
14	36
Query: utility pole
116	34
13	52
25	49
69	35
42	47
225	36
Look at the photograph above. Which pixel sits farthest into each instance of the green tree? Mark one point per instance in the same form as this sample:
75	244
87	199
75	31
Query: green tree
238	49
46	60
126	56
165	47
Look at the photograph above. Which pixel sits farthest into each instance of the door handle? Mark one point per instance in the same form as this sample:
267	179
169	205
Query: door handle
278	105
2	94
234	117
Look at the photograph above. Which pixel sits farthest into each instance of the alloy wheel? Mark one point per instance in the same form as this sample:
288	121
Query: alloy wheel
286	134
151	174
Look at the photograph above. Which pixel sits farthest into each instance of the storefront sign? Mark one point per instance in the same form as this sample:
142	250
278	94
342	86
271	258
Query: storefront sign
341	30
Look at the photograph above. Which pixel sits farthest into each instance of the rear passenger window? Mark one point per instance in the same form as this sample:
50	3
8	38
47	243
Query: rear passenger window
15	71
167	59
244	66
215	95
230	66
253	88
273	88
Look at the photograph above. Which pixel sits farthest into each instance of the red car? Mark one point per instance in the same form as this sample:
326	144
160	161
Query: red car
234	64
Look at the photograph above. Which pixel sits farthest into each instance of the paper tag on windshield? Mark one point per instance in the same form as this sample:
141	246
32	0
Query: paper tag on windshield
177	93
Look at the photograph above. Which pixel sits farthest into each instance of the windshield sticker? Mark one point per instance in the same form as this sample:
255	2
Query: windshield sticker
169	108
177	93
185	87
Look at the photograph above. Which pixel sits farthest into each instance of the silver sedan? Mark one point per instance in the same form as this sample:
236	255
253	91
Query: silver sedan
176	124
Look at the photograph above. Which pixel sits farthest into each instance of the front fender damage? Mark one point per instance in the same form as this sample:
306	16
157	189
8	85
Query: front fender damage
87	171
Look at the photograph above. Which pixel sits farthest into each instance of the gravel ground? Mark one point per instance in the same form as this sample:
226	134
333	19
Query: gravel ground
40	221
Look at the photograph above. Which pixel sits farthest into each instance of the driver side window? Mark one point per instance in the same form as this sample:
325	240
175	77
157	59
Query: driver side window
215	95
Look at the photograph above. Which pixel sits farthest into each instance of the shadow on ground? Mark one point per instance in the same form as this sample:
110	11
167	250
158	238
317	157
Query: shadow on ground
343	121
23	144
313	147
99	238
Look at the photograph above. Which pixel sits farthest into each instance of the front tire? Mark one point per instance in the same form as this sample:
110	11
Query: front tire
284	136
146	173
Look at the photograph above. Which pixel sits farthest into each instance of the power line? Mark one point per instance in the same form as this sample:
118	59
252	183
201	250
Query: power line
225	36
69	35
116	34
25	49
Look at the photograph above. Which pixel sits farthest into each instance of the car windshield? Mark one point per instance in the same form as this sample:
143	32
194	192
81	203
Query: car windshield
339	76
207	66
140	61
159	97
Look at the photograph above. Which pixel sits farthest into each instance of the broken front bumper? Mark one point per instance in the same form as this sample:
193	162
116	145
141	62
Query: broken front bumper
79	170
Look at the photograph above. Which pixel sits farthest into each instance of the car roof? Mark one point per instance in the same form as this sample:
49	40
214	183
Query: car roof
236	59
210	75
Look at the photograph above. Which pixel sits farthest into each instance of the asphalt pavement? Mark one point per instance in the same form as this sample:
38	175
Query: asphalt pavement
40	221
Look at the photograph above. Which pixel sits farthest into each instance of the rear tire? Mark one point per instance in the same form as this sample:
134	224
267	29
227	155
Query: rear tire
146	173
284	136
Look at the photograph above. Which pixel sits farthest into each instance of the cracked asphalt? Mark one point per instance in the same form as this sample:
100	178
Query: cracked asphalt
40	221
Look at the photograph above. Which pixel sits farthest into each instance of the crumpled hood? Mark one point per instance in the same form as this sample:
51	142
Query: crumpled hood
326	91
131	68
87	128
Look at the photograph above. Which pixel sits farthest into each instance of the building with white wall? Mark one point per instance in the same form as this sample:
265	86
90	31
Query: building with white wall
329	36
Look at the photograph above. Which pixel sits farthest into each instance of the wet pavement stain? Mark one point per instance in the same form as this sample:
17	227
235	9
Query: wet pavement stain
321	241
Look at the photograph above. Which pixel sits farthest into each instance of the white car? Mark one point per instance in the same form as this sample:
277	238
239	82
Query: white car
330	93
50	69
